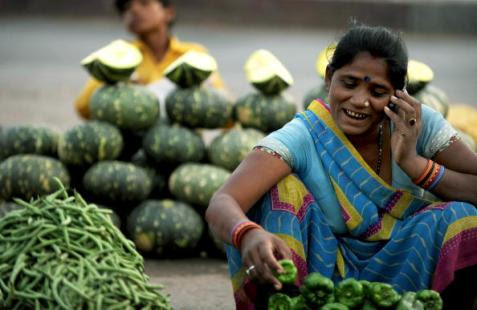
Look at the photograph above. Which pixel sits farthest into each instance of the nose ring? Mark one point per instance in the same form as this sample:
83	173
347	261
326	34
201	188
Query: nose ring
366	103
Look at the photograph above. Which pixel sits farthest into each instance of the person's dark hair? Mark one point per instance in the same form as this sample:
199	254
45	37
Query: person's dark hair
121	5
379	42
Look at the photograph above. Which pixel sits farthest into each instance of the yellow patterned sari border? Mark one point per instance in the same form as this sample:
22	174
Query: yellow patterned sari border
355	218
458	226
325	115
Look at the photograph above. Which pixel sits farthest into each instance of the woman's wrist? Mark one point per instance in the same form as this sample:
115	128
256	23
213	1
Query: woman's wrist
424	172
414	166
239	230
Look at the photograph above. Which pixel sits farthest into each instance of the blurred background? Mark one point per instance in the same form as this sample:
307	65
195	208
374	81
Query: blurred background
42	43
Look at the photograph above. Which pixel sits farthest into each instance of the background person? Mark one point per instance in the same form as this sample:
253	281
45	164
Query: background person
354	189
151	22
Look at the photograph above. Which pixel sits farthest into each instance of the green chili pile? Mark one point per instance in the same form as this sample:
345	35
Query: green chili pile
58	252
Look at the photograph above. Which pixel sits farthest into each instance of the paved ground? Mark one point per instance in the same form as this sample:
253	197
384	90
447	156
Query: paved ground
196	283
40	76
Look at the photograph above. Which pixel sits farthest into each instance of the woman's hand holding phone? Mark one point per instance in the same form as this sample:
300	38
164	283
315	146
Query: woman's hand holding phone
406	116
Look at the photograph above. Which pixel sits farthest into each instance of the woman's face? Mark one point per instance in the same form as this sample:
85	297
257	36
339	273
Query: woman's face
143	16
358	93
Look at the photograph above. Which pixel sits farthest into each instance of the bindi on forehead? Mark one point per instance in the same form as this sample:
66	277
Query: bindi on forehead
367	79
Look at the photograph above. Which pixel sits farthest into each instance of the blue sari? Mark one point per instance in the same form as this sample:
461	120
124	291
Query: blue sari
353	224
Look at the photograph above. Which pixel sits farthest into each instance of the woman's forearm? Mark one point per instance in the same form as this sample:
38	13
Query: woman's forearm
255	175
457	186
222	214
453	185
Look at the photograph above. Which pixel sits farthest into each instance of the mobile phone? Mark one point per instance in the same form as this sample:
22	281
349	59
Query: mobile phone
393	107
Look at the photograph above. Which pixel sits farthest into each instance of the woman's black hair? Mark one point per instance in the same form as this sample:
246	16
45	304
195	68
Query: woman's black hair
379	42
121	5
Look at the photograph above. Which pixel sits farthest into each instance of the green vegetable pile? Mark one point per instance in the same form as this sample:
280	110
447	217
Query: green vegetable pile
319	292
58	252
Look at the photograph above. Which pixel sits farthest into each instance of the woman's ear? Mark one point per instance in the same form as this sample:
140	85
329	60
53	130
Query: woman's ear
328	75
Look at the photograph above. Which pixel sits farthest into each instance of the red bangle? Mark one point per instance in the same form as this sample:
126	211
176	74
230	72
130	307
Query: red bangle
424	173
431	179
239	231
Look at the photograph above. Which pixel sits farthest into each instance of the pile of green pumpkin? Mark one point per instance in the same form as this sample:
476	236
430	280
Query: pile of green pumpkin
156	172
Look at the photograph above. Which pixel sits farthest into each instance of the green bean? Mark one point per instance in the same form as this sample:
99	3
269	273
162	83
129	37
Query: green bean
3	286
99	301
120	305
30	295
4	267
75	289
19	264
135	296
59	250
34	282
57	297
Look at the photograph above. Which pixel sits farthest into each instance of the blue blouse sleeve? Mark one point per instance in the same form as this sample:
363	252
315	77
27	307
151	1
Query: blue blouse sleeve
292	143
436	133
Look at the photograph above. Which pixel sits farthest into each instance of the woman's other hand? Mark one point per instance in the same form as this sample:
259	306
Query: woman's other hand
407	121
262	250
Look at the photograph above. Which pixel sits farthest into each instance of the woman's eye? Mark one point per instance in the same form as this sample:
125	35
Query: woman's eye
378	93
349	83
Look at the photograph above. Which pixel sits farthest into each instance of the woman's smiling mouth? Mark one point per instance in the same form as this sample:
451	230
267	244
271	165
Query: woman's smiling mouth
355	115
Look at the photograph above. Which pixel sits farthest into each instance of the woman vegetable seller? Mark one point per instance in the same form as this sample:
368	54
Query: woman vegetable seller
354	188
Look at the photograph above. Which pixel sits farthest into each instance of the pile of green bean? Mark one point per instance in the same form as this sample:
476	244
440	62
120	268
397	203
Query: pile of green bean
58	252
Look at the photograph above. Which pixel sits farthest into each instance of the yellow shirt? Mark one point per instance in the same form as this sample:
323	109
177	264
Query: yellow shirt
147	72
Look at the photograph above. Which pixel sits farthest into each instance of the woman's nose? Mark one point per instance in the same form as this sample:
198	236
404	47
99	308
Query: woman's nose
360	99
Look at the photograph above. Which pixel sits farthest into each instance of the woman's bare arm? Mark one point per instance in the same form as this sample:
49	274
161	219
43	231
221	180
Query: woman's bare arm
460	178
257	173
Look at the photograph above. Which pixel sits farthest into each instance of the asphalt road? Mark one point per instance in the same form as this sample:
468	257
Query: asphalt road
40	76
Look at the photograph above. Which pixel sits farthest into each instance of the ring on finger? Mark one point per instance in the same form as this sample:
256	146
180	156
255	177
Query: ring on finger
412	122
249	270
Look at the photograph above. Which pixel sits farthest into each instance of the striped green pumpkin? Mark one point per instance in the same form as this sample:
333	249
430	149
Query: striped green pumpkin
27	176
218	243
265	113
418	76
266	73
196	183
28	139
114	62
435	98
272	86
165	227
89	142
114	182
125	105
108	74
229	148
8	206
113	215
173	144
159	183
198	107
191	69
316	92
